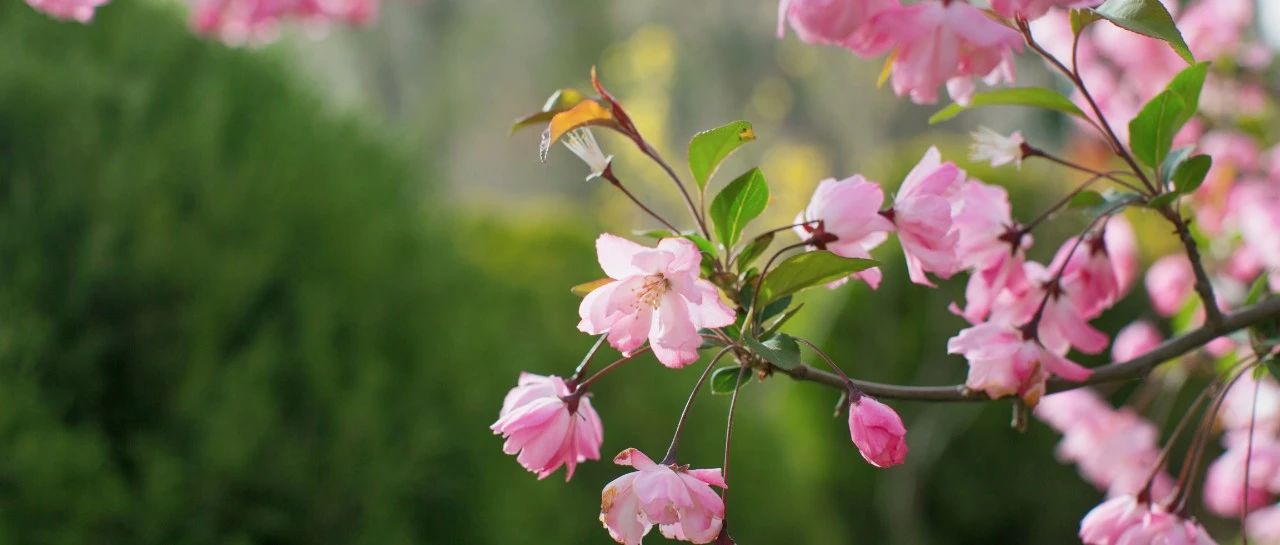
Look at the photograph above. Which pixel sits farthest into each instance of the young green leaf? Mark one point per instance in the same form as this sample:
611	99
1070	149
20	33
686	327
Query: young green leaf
1187	85
1086	199
781	350
753	250
1162	200
1038	97
1082	18
806	270
708	148
1171	162
1149	18
724	379
581	290
1151	132
739	203
1189	174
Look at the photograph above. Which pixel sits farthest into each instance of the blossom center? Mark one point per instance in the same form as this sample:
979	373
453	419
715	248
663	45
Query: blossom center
654	287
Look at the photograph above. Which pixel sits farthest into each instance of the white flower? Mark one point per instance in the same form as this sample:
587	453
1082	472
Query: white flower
989	145
583	144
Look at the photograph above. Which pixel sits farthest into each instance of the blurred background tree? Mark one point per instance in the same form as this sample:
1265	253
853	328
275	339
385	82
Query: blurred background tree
276	296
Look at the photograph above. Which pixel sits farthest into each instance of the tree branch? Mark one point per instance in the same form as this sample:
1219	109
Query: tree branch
1115	372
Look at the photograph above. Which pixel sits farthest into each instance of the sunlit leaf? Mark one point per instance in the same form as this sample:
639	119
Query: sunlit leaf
559	101
807	270
581	290
1038	97
737	204
708	149
1149	18
585	113
1081	19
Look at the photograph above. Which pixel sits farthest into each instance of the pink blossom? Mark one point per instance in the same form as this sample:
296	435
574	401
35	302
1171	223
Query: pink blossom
546	430
1161	527
986	246
1239	412
679	500
1089	276
1225	492
1106	523
1003	362
1115	449
1257	209
878	432
1170	281
1062	324
1264	525
1122	248
1215	29
945	43
68	10
922	214
1034	9
844	217
656	295
1134	340
834	22
238	22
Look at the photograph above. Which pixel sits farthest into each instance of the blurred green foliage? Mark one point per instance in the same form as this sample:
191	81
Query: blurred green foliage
229	315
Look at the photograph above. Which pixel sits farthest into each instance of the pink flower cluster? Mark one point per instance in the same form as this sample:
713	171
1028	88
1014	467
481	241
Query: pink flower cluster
1227	493
1126	520
934	43
68	10
1115	449
238	22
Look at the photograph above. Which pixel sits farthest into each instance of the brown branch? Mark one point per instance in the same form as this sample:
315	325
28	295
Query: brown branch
1130	370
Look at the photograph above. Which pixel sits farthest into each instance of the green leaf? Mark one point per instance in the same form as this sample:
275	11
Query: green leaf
1087	199
656	234
782	320
724	379
704	245
1160	201
1146	17
1038	97
708	148
1266	334
775	308
753	250
739	203
1273	367
581	290
1189	174
1081	18
1151	132
1111	199
1171	162
803	271
781	350
1187	85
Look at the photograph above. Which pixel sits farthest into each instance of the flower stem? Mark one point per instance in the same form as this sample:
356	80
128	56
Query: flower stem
608	175
582	388
581	370
670	457
728	430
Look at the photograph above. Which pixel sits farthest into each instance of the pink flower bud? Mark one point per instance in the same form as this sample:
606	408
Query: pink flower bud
679	500
1106	523
544	430
878	432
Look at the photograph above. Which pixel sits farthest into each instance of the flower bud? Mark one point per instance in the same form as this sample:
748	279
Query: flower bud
878	432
